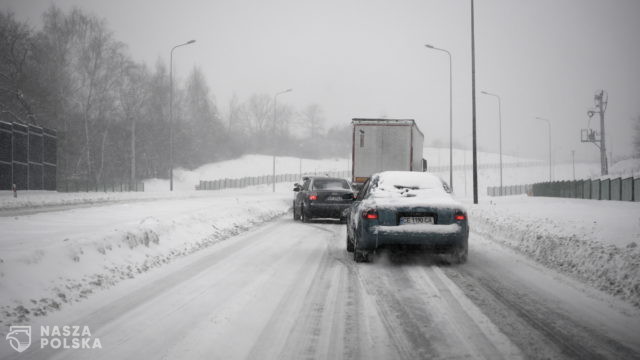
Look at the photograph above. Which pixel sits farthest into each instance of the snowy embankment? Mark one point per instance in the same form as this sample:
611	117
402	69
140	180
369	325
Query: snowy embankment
55	258
245	166
35	200
593	241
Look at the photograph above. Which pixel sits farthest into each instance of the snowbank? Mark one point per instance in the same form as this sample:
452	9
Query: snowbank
51	259
594	241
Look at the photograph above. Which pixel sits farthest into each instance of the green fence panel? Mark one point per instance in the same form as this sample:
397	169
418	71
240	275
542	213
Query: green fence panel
627	189
616	189
605	189
586	189
579	188
595	189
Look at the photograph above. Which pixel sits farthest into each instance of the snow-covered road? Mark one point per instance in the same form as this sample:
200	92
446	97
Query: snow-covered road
288	290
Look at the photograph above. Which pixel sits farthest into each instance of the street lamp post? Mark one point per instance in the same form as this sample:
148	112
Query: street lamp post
549	124
450	114
171	112
275	117
500	132
473	106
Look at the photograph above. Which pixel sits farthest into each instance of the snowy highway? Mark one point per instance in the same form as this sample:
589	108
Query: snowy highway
289	290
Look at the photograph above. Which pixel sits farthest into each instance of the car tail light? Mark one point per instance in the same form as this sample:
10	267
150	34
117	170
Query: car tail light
460	216
313	197
370	214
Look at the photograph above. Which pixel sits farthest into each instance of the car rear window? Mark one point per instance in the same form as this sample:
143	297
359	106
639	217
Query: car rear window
330	184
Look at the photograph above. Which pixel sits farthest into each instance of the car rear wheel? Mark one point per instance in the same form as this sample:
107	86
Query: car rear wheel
349	243
460	253
359	255
305	215
296	215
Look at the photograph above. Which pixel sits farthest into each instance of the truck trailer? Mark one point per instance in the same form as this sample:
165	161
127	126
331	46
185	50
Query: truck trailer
385	144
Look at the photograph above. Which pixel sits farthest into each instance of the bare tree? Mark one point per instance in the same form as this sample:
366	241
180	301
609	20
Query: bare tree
313	118
259	111
201	126
285	117
236	116
133	92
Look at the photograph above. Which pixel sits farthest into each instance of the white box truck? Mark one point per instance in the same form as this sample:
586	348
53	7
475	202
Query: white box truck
385	144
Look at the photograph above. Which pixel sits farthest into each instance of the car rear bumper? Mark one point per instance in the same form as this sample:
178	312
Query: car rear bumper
421	236
316	209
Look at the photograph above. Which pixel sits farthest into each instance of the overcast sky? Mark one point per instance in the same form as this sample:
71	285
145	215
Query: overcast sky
544	58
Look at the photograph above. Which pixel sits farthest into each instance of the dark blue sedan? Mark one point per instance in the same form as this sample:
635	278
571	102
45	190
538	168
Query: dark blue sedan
408	210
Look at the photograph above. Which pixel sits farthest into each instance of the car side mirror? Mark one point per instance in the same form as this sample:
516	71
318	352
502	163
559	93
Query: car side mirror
296	188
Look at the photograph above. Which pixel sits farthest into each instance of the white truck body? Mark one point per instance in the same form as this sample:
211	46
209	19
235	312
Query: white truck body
385	144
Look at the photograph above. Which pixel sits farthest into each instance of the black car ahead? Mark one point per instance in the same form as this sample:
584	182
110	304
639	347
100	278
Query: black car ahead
322	197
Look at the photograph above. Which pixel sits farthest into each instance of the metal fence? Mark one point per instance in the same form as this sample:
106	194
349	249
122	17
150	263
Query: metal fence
508	190
27	157
618	189
76	185
227	183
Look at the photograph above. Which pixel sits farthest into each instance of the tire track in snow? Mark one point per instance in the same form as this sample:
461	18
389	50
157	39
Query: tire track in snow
406	325
570	339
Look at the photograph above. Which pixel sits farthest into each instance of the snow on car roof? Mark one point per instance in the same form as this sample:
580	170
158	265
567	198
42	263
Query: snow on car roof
411	188
409	180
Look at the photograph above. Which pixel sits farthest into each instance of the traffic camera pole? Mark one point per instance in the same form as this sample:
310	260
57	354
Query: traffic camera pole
601	104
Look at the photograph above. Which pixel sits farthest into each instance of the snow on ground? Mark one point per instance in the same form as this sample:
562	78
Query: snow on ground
625	168
44	199
593	241
50	259
247	165
184	182
515	171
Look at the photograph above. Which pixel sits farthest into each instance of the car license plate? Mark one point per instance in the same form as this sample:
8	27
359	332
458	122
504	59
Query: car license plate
334	198
416	220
